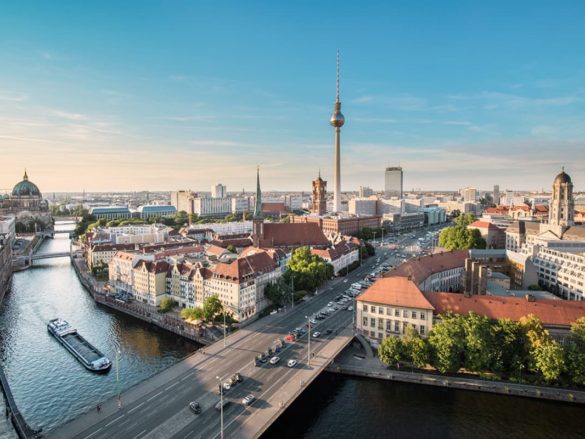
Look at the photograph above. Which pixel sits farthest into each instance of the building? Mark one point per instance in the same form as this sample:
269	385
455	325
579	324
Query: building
469	194
493	235
363	206
389	306
111	212
434	215
103	253
149	281
337	120
496	195
27	205
338	225
218	191
240	204
319	201
444	271
212	207
393	182
555	247
7	237
340	256
156	211
403	222
365	192
183	201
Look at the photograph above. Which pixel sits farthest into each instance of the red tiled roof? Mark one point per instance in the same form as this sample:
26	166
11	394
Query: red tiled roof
550	312
293	235
246	267
481	225
274	207
111	247
397	291
421	268
214	250
153	266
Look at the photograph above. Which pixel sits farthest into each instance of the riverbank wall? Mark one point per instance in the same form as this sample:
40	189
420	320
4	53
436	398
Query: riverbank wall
142	312
23	430
348	363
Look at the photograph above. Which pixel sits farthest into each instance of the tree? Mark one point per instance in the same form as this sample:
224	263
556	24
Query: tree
459	237
212	307
279	292
391	350
370	249
416	349
575	352
447	343
192	313
231	248
309	270
166	304
512	343
181	218
481	351
549	359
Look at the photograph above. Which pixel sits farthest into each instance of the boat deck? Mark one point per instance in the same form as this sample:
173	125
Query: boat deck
82	347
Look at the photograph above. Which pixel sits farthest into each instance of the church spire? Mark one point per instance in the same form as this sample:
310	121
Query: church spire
258	208
25	178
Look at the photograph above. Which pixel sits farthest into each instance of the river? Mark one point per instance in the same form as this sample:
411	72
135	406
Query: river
49	385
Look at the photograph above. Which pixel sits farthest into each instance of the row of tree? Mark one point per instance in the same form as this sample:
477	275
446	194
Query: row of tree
459	237
504	348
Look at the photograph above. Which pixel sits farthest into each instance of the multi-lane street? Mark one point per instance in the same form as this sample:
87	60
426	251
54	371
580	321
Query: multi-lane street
159	407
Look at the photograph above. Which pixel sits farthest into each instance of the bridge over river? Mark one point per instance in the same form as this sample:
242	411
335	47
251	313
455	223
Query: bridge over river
158	407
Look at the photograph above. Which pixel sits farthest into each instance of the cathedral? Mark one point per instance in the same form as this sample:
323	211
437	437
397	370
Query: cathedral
27	205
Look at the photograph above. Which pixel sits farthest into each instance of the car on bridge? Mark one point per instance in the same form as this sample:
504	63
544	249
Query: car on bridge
248	399
274	360
195	407
316	334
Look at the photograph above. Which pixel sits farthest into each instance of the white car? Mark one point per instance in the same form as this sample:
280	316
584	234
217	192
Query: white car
227	386
316	334
274	360
291	363
249	399
350	308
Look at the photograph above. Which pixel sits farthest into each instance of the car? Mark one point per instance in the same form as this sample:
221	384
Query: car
350	308
238	377
274	360
330	304
328	331
248	399
316	334
291	363
313	321
195	407
222	404
227	386
344	280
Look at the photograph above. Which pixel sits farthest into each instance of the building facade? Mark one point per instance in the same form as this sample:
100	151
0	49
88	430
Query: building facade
319	201
393	180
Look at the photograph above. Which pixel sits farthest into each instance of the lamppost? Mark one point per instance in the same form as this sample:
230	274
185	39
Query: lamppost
292	291
118	353
224	336
309	335
221	406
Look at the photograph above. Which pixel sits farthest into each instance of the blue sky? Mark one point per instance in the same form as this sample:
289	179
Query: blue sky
163	95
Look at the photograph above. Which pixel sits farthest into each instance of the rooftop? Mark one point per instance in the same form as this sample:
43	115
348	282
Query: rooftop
395	291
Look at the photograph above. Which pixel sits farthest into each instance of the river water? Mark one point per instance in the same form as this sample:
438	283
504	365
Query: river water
49	385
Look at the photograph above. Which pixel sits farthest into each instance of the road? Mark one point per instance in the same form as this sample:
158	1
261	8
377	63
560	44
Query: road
158	407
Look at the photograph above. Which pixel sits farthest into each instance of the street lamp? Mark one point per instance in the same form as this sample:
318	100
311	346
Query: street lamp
292	291
224	336
118	353
221	406
309	354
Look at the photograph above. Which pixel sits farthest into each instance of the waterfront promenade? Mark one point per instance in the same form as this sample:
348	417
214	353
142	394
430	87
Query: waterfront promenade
354	361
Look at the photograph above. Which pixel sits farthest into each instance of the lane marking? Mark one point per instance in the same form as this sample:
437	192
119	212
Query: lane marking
95	432
154	396
143	431
171	386
137	407
111	422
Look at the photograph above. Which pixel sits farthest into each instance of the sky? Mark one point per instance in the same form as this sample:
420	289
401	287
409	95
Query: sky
166	95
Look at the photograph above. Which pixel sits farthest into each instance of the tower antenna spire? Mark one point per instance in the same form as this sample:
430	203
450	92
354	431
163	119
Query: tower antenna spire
337	82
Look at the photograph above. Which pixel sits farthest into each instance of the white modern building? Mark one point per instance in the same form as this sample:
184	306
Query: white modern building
218	191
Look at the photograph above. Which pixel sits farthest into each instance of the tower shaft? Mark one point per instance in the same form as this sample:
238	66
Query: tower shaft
337	174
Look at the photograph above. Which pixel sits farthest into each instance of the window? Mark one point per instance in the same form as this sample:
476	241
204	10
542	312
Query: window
404	313
365	308
422	330
397	312
389	311
413	315
380	323
380	310
396	326
388	325
365	323
373	323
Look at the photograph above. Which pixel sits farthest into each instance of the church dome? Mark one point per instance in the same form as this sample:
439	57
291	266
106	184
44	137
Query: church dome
562	178
26	188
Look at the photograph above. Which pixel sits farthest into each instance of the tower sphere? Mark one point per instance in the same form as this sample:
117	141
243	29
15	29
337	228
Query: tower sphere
337	119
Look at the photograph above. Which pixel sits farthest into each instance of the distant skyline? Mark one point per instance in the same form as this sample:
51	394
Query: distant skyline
153	95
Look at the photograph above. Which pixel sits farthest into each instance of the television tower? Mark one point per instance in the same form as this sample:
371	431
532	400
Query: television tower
337	120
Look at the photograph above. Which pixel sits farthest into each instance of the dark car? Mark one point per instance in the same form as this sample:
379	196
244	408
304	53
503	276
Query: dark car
328	331
195	407
238	377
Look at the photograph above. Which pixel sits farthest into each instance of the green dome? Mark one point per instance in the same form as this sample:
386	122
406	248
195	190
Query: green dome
26	188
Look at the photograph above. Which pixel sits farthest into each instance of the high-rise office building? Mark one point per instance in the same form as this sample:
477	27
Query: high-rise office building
469	194
218	191
366	192
393	181
496	194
